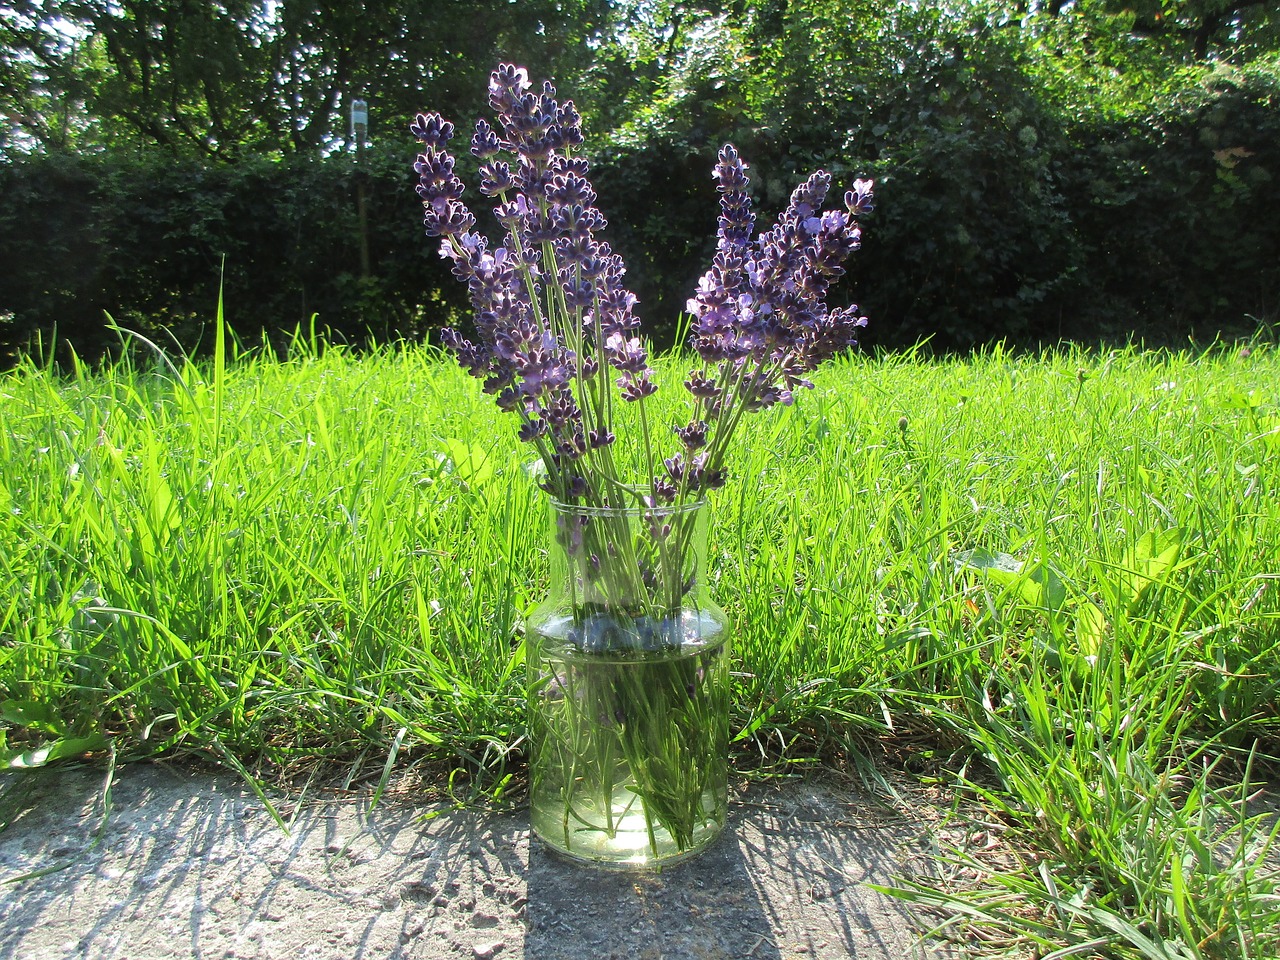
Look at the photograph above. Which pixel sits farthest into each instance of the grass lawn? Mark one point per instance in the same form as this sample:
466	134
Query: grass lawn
1050	581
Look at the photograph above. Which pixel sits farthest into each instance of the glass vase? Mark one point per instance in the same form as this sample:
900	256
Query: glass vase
628	664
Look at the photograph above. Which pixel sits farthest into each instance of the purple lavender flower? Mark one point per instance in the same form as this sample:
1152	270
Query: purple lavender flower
736	218
664	491
551	308
438	186
858	200
636	386
694	436
570	188
432	129
701	386
759	312
627	355
658	524
600	438
484	142
506	85
549	295
496	179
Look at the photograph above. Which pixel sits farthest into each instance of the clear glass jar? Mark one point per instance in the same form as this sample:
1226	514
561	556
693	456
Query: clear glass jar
628	662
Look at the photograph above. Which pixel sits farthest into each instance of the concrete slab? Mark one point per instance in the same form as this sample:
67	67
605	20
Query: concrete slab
190	865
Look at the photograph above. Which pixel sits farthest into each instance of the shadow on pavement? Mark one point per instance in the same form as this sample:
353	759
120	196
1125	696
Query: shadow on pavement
189	865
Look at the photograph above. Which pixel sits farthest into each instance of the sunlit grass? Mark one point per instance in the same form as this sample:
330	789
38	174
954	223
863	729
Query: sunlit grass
1052	580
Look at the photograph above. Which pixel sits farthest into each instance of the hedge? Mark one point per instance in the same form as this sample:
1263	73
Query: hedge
995	220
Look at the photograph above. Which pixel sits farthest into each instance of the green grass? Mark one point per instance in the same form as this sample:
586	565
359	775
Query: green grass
1051	581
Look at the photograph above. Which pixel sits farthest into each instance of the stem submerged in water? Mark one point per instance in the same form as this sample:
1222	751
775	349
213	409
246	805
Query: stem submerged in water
629	695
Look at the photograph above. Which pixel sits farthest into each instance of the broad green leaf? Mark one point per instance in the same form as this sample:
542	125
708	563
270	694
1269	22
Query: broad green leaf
1039	586
1091	628
1236	399
33	715
1003	565
58	750
1271	437
1043	587
470	462
1151	559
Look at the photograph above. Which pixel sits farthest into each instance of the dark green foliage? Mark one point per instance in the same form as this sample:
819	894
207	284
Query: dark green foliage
1178	213
146	240
1019	195
1059	173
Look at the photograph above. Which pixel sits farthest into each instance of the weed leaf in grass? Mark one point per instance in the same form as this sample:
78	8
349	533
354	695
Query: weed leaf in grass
64	748
32	715
1237	399
42	718
1038	586
470	462
1270	437
1091	628
1151	559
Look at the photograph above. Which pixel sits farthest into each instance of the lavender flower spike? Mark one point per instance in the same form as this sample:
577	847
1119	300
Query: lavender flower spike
551	310
760	308
438	186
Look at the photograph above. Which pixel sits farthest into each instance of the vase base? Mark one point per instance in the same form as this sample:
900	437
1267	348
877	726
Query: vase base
628	849
622	838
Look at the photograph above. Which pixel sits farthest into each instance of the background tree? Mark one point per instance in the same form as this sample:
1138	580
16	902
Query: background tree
1012	144
44	72
238	77
1201	29
1044	169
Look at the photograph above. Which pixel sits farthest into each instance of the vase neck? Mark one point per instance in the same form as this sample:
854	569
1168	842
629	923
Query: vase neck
639	562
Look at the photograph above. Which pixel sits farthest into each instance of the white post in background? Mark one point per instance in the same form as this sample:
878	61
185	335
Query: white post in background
359	130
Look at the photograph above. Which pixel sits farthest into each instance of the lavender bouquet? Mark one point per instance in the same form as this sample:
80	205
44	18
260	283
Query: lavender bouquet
627	660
